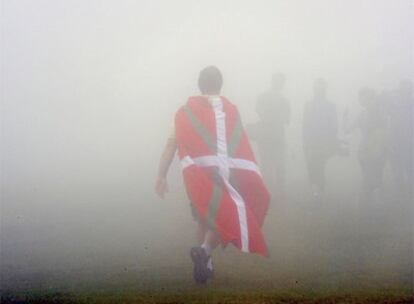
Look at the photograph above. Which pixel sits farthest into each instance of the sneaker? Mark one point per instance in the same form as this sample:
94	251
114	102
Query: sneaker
200	259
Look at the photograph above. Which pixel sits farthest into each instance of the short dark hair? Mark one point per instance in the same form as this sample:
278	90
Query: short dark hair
210	80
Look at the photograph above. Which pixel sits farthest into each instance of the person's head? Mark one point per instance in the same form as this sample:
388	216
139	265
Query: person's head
210	81
320	87
278	81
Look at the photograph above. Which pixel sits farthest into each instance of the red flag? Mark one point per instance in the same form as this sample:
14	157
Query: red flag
220	172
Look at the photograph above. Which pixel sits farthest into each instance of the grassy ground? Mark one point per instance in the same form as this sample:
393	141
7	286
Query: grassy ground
320	252
213	295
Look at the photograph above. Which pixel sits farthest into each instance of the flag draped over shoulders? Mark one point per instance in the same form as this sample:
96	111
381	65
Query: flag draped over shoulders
221	176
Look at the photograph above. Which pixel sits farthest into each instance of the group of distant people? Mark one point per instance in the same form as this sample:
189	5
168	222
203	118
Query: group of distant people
228	197
385	124
386	127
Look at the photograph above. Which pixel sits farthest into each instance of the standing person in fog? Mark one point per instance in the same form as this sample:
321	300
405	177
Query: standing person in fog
320	141
223	182
401	138
273	110
372	150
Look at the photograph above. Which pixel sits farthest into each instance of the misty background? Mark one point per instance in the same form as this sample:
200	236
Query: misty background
88	94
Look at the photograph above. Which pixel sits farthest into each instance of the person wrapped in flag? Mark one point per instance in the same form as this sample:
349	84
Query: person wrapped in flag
221	176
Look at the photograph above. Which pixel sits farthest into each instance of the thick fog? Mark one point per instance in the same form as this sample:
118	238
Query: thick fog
89	90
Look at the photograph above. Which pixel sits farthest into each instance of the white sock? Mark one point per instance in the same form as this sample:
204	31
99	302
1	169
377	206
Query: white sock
210	263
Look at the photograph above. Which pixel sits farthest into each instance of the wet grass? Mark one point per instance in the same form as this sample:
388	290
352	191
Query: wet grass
213	295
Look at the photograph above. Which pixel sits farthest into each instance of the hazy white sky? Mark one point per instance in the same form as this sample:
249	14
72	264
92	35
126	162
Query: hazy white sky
88	83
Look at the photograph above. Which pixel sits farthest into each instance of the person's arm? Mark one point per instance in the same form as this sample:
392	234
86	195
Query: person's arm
161	186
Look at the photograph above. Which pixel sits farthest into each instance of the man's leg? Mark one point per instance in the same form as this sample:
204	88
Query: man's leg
312	164
321	164
201	232
210	243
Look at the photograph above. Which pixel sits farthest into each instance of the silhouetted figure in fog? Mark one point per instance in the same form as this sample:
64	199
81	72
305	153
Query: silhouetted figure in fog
320	141
401	137
372	152
273	110
228	197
